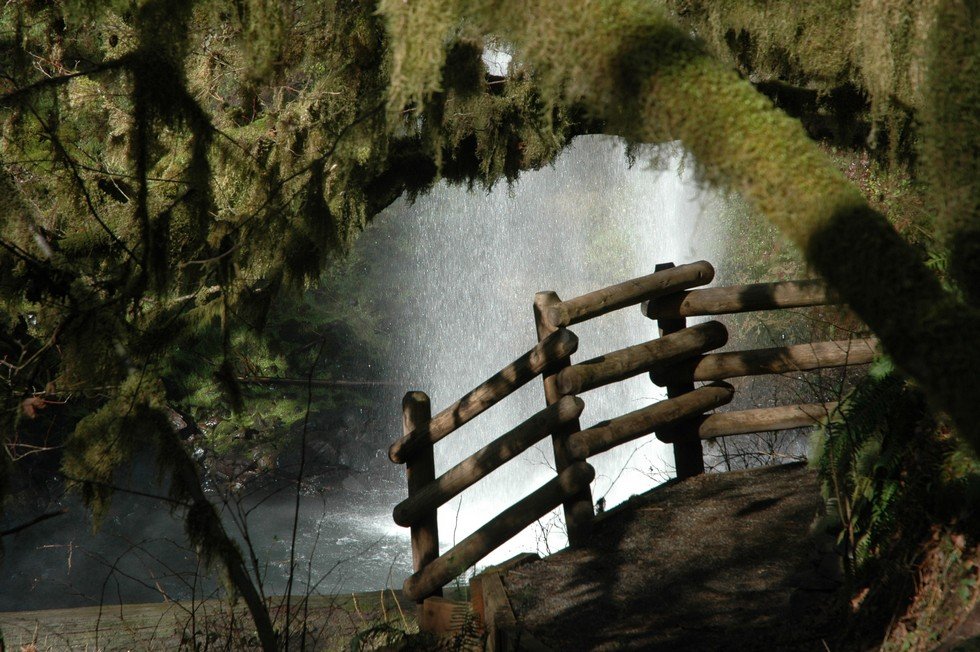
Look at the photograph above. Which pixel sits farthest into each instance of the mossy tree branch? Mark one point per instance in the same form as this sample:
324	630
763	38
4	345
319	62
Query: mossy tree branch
649	81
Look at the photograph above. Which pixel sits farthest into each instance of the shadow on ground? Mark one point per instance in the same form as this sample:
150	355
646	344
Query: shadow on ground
718	562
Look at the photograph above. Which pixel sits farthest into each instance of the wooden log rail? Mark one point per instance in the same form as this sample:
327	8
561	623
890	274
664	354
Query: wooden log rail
559	345
420	471
743	422
777	360
577	509
677	359
631	361
628	293
740	298
609	434
486	460
497	531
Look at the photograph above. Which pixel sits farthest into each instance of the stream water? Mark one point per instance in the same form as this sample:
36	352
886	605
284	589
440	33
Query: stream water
466	265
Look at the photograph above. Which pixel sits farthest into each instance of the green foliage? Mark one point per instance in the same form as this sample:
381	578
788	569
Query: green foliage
888	470
163	192
864	458
175	175
108	437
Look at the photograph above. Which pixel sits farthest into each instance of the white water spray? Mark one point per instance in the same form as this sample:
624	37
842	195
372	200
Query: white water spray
475	263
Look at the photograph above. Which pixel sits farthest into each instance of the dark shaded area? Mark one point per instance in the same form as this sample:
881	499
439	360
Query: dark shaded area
720	561
839	115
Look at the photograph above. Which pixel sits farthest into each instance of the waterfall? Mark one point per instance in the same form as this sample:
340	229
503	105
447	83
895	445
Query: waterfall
458	271
467	265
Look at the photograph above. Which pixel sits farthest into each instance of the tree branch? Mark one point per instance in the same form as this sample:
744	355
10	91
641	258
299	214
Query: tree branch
34	521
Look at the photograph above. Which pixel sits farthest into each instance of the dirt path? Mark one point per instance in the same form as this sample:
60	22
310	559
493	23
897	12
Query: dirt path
720	562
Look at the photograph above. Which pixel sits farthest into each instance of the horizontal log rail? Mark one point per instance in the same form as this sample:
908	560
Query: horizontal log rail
560	344
634	360
609	434
744	422
628	293
498	530
678	359
740	298
778	360
486	460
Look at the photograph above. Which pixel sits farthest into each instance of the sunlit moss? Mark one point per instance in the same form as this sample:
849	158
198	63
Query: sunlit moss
877	46
641	74
207	157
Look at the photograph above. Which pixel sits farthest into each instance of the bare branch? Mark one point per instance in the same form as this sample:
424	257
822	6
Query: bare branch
34	521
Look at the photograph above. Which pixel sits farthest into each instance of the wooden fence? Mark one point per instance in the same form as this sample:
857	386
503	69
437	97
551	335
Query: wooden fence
680	357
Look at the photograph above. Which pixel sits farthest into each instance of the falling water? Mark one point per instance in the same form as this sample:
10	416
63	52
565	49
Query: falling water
463	267
472	265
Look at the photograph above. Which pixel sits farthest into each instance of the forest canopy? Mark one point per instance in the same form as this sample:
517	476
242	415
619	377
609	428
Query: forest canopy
168	168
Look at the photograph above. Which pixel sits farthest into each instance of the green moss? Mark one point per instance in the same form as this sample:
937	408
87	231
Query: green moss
104	440
643	75
876	46
257	145
951	137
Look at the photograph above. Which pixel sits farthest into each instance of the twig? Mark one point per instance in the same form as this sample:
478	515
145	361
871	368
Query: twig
299	492
33	521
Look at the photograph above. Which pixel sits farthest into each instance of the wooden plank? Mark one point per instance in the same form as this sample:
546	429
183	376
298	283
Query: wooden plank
486	460
609	434
740	298
577	509
165	626
441	616
476	602
503	632
514	562
557	346
501	623
421	471
629	293
498	530
631	361
785	417
778	360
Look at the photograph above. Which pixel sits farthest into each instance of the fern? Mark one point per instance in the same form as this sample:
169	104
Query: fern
876	464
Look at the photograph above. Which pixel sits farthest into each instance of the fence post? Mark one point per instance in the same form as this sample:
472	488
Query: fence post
578	509
421	470
688	453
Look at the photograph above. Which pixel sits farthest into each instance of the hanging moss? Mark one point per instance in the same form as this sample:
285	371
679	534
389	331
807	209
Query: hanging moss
875	46
640	73
106	439
185	167
171	167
